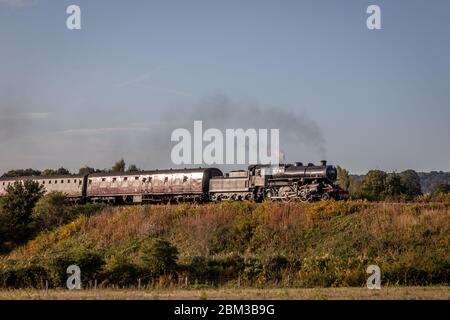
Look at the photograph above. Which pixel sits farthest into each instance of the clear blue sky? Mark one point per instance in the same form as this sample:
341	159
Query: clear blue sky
138	69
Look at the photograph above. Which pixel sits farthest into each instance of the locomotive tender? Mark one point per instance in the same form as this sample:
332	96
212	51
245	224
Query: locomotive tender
285	182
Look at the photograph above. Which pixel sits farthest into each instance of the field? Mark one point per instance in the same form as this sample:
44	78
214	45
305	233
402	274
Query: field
246	294
222	250
388	293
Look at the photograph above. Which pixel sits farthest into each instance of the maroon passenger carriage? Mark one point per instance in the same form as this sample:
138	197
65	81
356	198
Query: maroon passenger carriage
172	185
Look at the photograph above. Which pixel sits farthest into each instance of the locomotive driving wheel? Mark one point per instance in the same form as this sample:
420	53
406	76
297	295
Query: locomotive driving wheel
285	193
269	194
326	196
303	194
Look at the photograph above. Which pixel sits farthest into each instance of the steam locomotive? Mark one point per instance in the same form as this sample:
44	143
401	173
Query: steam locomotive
285	182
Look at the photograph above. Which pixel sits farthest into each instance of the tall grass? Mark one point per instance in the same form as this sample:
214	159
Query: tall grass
267	244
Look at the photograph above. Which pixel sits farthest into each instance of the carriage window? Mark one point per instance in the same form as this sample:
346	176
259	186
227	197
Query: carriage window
3	183
185	178
68	181
114	179
103	179
90	181
56	181
62	181
136	178
125	179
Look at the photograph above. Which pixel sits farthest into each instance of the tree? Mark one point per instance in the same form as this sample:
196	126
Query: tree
86	170
158	256
51	211
430	180
374	184
411	183
21	173
443	188
133	168
393	185
16	208
58	172
343	178
48	172
119	166
355	185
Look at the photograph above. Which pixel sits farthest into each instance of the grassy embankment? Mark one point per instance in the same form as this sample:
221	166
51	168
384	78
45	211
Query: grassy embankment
241	245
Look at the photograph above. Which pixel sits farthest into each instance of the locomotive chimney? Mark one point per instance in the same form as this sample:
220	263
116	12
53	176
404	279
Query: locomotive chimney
323	162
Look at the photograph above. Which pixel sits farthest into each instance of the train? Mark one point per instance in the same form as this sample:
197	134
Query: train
285	182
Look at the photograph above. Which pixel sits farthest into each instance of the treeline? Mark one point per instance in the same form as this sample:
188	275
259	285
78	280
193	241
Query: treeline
434	181
119	166
380	185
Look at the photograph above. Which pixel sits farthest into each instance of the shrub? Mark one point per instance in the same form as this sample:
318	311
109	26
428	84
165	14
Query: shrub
89	261
214	270
16	210
86	210
23	276
158	256
119	271
50	211
273	266
330	270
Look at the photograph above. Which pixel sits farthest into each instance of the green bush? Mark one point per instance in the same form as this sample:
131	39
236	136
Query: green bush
16	207
85	210
89	261
332	271
50	211
119	271
158	257
214	270
20	276
273	267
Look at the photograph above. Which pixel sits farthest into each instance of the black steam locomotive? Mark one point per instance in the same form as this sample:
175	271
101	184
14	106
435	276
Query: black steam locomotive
284	182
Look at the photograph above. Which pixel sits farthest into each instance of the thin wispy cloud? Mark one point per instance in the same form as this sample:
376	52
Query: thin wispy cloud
141	81
136	80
